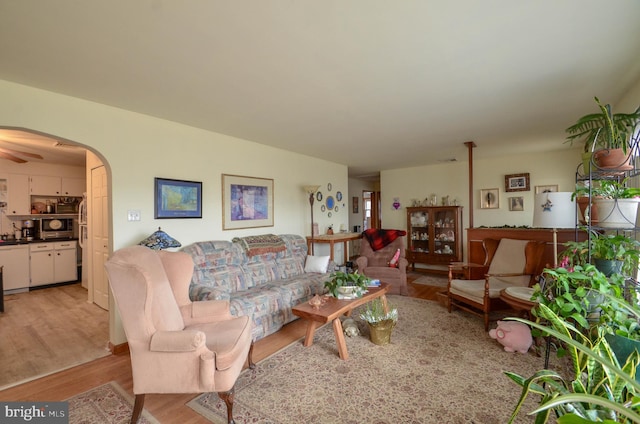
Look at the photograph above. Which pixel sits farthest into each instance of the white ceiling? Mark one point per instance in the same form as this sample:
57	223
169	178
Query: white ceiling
373	84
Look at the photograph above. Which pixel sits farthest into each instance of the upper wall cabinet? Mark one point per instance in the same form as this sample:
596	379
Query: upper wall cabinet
18	201
44	185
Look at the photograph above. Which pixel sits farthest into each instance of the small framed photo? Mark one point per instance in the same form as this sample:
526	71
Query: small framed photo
247	202
177	199
516	203
516	182
355	204
489	198
546	189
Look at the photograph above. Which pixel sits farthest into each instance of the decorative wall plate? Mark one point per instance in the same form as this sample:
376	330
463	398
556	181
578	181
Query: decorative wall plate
323	208
329	186
319	196
330	202
336	208
339	196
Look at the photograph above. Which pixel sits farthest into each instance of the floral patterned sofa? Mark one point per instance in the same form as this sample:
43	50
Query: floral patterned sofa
264	286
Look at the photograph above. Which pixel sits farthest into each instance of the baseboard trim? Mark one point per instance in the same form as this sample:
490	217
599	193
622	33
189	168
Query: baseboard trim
119	349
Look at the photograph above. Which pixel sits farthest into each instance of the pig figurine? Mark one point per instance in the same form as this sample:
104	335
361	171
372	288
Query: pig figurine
514	336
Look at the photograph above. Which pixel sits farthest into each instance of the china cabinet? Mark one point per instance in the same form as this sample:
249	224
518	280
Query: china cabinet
434	235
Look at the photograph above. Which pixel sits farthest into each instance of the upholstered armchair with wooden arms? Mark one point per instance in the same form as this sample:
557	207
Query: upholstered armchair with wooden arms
508	263
176	345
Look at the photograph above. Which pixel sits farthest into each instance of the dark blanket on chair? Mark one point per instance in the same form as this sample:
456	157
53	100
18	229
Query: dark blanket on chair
380	238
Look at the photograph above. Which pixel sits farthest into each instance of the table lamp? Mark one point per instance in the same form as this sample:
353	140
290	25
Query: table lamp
160	240
554	210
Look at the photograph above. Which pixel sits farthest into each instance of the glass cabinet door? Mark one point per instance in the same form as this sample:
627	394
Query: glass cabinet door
419	231
444	226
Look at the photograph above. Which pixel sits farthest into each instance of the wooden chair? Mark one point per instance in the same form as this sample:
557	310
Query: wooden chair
176	345
508	263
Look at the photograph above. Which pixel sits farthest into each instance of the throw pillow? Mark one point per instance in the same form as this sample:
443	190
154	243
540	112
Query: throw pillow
316	264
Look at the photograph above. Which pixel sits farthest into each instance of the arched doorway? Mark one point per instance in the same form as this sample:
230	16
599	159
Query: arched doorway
42	154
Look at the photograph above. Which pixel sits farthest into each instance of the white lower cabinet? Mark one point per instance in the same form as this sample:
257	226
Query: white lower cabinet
53	262
15	263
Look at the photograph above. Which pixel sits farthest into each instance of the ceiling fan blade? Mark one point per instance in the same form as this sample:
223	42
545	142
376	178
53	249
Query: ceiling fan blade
12	157
18	152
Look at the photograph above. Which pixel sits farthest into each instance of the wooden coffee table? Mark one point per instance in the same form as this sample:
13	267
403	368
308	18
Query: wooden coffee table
332	309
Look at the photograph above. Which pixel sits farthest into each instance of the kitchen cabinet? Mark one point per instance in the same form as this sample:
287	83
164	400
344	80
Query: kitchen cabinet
73	187
15	260
18	199
434	236
53	262
46	185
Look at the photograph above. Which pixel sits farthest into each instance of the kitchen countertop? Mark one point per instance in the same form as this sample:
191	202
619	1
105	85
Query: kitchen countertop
21	242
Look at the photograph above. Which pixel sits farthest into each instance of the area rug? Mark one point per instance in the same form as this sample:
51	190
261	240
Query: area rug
432	280
106	404
439	368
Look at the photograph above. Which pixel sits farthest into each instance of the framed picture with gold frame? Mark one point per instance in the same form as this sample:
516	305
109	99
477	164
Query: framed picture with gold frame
247	202
489	198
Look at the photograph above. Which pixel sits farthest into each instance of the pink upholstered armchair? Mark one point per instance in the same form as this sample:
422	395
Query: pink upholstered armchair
176	345
375	264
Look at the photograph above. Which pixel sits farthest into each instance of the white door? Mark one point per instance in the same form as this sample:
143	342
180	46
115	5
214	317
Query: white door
98	216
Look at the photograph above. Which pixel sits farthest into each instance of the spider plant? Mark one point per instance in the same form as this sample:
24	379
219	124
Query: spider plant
598	388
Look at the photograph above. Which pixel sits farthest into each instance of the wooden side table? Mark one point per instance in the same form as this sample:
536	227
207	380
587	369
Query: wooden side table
333	239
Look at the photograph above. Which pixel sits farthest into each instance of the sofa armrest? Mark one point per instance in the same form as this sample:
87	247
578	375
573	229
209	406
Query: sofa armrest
177	341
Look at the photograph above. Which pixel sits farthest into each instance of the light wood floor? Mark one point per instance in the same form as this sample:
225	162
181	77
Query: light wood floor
166	408
46	330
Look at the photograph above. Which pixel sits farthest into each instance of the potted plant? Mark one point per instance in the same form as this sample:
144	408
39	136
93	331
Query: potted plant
347	285
598	388
381	319
610	253
616	203
574	294
614	253
608	133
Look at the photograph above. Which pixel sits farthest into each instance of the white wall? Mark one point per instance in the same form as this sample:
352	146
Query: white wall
136	148
557	168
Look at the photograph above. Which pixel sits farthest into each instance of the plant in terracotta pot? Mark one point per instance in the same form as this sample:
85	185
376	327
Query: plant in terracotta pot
347	285
608	133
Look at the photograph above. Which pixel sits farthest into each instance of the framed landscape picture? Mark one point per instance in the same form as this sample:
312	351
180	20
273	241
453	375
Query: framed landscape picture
516	182
177	199
247	202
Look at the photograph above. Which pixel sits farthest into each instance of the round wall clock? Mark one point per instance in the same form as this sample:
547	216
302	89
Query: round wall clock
330	202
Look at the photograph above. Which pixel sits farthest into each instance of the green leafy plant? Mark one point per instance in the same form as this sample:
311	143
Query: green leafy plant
572	294
610	247
607	189
340	279
606	129
598	388
374	312
620	316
